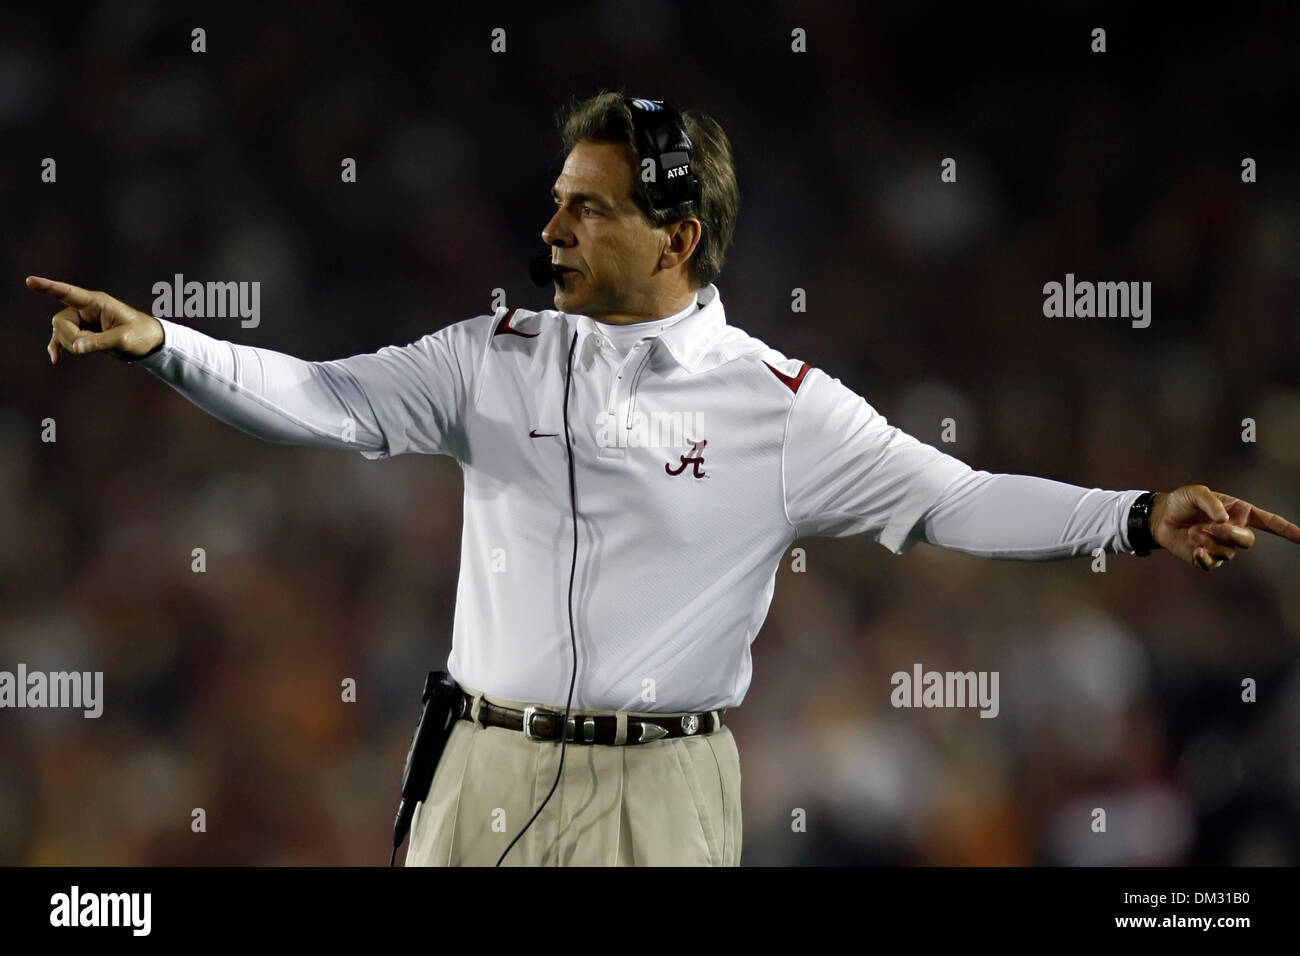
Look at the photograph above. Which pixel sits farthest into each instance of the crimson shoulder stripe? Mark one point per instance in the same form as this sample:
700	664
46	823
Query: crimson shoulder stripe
503	327
792	382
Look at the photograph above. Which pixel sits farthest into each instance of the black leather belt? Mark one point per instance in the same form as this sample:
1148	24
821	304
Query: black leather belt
540	723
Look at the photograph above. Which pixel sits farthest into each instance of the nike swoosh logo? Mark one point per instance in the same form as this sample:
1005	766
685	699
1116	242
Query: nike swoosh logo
536	434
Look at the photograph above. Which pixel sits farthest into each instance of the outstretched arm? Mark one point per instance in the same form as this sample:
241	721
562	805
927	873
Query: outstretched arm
1027	518
848	471
399	399
1020	516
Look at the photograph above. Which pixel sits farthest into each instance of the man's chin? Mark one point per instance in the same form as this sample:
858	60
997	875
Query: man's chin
567	300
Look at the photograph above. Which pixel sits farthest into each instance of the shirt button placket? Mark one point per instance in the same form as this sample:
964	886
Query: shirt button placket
612	405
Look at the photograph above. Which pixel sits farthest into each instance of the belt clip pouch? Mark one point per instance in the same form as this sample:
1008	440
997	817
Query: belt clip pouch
441	700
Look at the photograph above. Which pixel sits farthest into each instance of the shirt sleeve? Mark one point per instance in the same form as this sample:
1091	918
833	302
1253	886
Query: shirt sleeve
1028	518
407	398
847	471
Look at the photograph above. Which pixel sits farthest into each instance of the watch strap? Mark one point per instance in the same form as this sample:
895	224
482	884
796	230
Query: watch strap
1139	524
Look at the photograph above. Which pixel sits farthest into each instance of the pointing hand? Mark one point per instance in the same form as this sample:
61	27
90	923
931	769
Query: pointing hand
1205	528
95	322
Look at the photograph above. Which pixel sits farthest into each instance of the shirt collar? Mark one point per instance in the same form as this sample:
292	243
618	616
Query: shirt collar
688	339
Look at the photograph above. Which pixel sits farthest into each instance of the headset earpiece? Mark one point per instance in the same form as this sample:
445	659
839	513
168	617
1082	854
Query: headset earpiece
660	134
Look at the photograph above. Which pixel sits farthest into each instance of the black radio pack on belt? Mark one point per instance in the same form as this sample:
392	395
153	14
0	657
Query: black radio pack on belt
442	700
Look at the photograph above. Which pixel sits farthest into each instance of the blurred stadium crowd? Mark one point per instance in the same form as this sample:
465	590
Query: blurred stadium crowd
1119	690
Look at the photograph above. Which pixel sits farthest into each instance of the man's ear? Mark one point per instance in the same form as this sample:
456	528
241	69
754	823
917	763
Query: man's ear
681	239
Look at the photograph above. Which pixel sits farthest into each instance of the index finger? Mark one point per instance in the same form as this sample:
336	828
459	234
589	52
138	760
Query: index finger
1276	524
73	295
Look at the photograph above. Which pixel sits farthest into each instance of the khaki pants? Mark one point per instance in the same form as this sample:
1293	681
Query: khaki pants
669	802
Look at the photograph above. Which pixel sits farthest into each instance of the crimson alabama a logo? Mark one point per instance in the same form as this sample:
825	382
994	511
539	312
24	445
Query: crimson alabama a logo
694	459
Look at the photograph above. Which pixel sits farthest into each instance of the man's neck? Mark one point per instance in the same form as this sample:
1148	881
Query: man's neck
652	312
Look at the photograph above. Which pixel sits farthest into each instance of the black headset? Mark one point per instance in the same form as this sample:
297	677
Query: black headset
659	133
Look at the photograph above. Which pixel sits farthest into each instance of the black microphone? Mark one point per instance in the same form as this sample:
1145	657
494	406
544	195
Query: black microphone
543	272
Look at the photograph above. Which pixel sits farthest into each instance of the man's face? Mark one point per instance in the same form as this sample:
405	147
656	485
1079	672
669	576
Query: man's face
599	232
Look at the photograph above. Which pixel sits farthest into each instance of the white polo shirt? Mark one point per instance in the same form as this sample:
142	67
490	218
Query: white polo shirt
678	546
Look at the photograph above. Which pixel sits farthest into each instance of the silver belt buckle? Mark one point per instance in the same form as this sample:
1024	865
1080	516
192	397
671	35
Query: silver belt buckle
528	720
570	725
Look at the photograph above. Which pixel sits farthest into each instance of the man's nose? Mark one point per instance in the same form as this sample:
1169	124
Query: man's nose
555	233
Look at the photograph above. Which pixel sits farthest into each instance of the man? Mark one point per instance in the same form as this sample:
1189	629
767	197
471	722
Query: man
635	468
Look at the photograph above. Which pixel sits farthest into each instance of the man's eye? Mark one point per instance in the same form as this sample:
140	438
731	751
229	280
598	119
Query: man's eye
591	210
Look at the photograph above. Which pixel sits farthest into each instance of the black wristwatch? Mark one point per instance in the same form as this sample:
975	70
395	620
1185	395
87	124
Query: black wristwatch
1139	525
